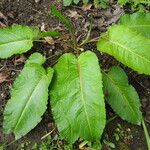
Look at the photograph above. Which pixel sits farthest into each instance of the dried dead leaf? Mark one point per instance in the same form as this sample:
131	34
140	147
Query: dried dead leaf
43	26
49	40
74	14
3	76
86	7
82	145
2	16
2	25
5	22
21	59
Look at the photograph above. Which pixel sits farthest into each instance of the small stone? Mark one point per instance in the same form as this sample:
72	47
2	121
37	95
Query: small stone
128	129
37	1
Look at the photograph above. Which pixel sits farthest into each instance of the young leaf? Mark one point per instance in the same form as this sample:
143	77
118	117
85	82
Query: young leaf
67	2
63	19
77	98
76	1
68	24
122	97
51	33
101	3
134	2
123	2
28	97
139	22
97	3
17	39
85	1
127	46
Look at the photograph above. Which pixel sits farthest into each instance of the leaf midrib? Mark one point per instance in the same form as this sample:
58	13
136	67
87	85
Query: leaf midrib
129	50
26	104
3	44
82	97
122	95
132	26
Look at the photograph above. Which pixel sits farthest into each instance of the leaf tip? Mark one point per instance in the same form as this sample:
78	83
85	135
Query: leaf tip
36	58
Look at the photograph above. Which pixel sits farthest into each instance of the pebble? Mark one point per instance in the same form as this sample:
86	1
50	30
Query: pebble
37	1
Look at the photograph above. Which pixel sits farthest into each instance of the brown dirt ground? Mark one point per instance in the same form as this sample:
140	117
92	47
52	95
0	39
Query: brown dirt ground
29	12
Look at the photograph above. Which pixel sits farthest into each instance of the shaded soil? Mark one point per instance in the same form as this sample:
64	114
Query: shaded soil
28	12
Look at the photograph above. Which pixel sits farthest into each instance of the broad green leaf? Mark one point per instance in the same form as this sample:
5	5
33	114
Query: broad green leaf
29	97
17	39
122	97
77	98
139	22
127	46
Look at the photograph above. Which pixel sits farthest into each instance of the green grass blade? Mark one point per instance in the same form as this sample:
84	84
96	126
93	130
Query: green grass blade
146	134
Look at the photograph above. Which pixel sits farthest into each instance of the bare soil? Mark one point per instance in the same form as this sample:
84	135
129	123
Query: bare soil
29	12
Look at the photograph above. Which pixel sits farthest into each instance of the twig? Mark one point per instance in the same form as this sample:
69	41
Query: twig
46	135
111	119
